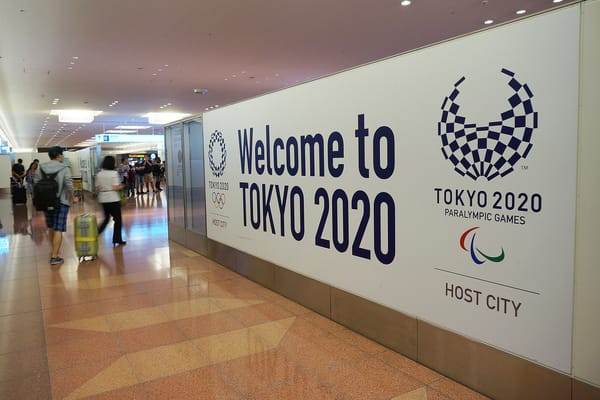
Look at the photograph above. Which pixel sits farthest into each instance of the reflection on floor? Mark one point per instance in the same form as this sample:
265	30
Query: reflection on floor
154	320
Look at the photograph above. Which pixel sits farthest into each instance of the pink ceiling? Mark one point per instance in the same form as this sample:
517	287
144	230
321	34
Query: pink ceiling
147	53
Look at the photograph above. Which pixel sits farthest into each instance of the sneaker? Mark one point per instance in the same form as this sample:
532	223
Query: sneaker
56	260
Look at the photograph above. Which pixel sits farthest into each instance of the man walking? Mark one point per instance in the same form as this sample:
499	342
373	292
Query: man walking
56	220
18	170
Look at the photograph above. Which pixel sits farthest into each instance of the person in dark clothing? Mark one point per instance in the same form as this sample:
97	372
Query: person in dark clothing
139	176
131	179
18	170
156	172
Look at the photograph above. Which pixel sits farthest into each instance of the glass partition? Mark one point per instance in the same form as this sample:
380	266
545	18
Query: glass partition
175	174
195	193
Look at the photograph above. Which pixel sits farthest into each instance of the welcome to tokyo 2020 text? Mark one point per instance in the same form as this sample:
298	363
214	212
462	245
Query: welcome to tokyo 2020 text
280	209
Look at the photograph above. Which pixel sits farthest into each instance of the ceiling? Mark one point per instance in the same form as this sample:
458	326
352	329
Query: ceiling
150	55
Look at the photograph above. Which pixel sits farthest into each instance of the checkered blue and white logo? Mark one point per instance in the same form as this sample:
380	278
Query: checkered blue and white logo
217	153
488	150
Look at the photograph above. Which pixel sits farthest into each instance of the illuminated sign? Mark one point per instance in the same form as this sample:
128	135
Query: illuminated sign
116	138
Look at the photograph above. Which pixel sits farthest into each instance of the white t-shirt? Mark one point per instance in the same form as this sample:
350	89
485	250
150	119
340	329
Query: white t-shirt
105	180
123	171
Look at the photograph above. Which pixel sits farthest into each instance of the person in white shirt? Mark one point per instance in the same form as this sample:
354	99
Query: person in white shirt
108	185
124	170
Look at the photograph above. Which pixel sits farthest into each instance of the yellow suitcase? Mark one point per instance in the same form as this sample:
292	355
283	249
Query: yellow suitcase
86	236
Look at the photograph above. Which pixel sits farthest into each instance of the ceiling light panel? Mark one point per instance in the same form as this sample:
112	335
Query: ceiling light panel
75	116
162	118
136	127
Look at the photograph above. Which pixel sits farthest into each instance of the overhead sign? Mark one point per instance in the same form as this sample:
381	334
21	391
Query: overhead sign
440	183
119	138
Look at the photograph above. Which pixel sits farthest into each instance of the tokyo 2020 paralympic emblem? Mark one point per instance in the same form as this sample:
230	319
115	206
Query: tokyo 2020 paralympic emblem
490	150
478	256
217	153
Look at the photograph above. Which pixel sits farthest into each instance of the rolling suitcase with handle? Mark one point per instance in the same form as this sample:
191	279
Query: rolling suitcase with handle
19	196
86	236
18	191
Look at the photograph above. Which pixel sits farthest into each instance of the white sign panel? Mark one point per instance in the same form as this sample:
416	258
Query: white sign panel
440	183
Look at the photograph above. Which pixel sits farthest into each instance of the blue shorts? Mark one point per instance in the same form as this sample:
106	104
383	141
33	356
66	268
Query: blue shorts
57	220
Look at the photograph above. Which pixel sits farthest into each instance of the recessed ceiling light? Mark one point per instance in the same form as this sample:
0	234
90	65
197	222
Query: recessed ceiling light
521	12
488	21
557	1
405	3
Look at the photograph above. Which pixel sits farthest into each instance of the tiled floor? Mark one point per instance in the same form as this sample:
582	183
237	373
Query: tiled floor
154	320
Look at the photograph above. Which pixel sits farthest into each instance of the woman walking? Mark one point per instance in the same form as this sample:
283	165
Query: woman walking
29	176
108	185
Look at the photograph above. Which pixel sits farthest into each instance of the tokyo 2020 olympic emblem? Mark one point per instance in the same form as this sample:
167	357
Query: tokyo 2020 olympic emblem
493	149
217	153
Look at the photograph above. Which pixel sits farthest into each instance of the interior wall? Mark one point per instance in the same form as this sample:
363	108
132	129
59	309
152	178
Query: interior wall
73	157
387	263
586	319
5	171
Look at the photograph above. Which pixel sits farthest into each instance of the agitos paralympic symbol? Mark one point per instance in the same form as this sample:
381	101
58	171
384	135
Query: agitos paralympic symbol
475	252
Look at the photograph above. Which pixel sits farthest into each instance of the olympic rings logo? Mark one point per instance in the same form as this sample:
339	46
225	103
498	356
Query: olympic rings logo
218	200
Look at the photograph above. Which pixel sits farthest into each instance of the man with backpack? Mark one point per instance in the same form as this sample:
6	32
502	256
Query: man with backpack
54	198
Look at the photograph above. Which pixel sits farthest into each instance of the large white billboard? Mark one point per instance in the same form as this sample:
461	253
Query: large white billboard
439	183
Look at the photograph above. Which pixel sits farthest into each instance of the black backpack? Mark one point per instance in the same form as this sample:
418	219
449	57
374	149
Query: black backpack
45	192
